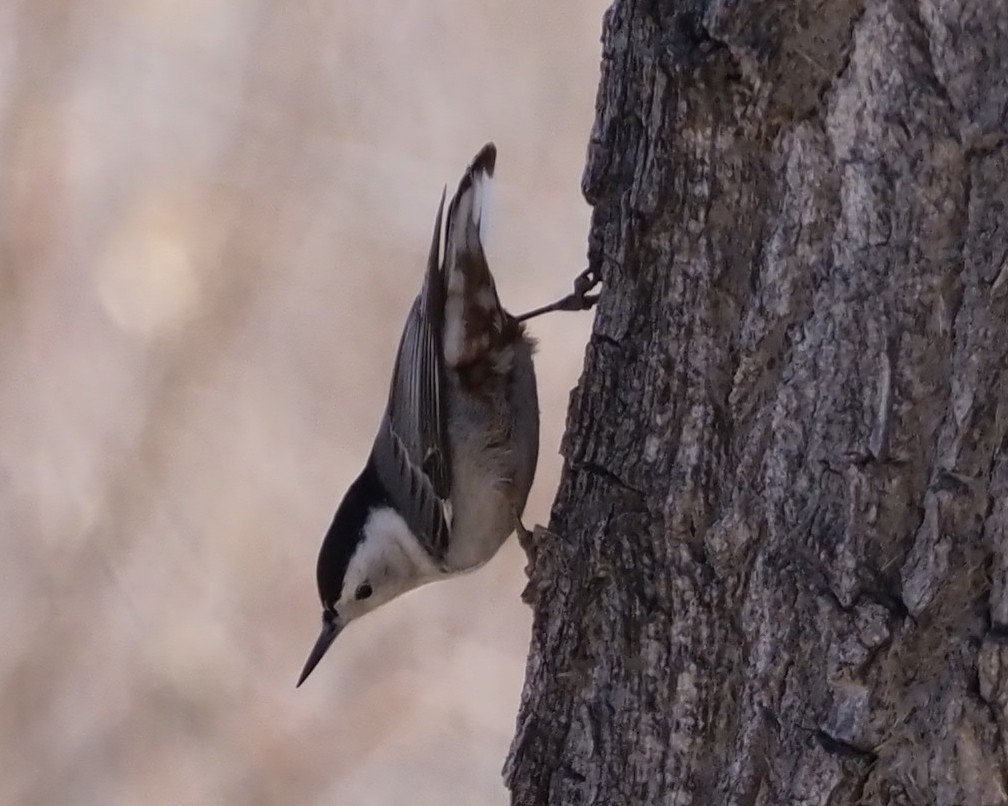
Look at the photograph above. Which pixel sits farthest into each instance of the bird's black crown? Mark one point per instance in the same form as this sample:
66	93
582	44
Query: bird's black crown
347	531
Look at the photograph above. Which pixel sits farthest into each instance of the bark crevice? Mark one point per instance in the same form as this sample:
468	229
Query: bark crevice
782	521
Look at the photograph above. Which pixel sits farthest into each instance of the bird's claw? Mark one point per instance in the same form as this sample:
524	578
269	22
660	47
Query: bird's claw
578	300
585	282
524	535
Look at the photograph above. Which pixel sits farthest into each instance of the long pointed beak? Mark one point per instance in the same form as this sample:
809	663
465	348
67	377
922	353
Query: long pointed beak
330	629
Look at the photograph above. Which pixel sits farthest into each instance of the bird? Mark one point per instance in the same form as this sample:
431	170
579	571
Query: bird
451	466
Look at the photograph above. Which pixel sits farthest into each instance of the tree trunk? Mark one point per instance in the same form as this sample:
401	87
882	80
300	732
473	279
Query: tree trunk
776	568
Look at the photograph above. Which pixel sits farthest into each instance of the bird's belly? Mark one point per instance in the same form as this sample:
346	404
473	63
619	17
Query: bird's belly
483	515
495	445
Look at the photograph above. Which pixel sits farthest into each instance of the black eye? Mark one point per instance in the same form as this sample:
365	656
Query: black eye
363	591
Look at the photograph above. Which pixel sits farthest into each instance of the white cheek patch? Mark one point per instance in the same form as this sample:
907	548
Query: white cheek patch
389	558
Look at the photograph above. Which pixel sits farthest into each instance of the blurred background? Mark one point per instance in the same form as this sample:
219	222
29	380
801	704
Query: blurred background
213	218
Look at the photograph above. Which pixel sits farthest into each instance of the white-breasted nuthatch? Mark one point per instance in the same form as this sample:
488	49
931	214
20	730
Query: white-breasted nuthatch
456	450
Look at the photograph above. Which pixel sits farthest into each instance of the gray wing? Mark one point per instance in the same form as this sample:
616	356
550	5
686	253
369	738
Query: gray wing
411	451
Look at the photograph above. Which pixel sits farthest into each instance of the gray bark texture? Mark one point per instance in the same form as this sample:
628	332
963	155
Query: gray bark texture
777	569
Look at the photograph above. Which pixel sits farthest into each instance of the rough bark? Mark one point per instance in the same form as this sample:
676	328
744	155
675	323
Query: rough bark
776	567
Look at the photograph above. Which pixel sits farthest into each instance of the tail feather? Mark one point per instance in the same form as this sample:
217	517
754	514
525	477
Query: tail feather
468	211
474	322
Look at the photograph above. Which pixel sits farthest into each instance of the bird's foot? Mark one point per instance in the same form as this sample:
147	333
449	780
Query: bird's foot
578	300
523	533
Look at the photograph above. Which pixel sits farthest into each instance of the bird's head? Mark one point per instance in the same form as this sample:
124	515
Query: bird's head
369	556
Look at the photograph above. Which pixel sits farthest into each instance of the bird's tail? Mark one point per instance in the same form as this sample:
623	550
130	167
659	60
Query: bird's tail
467	212
474	323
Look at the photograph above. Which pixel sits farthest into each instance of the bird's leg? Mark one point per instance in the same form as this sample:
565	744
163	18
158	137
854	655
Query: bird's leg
578	300
524	535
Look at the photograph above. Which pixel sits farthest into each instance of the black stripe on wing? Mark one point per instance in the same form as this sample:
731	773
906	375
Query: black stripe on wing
411	492
411	450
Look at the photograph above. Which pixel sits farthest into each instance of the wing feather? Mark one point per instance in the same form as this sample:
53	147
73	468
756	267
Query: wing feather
411	451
